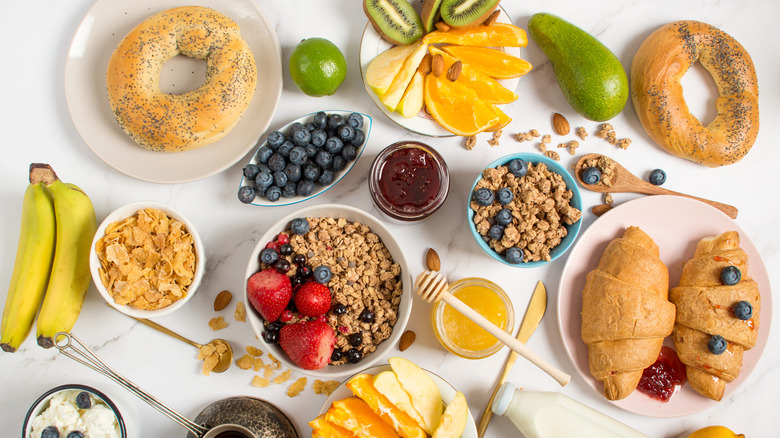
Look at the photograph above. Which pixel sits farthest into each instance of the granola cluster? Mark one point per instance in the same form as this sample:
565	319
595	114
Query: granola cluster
607	167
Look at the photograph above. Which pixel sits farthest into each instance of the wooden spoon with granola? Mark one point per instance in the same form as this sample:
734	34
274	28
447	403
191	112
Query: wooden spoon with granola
614	178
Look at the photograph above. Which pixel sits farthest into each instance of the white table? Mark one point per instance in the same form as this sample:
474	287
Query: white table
37	128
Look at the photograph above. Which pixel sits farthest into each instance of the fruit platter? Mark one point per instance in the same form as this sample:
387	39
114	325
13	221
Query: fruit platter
237	219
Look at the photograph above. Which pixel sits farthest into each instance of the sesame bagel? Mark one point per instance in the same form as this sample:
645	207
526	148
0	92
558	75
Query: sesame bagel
659	65
178	122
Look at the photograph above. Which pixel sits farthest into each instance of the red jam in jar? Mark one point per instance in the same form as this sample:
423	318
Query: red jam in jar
408	181
661	379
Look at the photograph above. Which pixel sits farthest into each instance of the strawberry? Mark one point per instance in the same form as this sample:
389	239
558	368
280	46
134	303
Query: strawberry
309	344
269	292
312	299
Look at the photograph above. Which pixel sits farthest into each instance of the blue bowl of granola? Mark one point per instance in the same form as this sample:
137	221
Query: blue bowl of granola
524	210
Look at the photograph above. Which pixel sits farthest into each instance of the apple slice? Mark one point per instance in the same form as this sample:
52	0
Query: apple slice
387	384
401	81
421	388
384	68
453	421
412	101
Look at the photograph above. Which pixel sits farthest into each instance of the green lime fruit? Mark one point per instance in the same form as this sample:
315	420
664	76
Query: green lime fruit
317	67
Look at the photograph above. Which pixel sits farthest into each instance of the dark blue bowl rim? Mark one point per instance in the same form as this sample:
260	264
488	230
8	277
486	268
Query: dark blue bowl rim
90	389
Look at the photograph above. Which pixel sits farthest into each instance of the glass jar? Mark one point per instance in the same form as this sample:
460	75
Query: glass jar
408	181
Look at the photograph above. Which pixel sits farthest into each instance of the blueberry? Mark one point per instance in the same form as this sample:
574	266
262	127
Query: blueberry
285	249
289	190
322	274
282	266
295	281
326	178
355	339
269	256
305	188
274	326
484	196
276	162
280	179
263	181
504	195
285	148
50	432
657	177
293	172
354	356
349	152
298	155
273	193
346	132
717	345
310	126
514	255
296	126
334	145
264	153
311	150
504	217
318	137
323	159
339	309
334	121
275	139
336	355
251	171
496	232
301	137
320	120
262	167
83	400
75	434
311	171
299	226
358	139
743	310
338	164
517	167
366	316
355	120
271	337
730	275
591	175
246	194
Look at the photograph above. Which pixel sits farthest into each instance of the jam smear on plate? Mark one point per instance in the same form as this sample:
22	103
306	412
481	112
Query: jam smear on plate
661	379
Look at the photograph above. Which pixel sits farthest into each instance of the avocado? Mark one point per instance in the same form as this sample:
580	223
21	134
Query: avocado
589	74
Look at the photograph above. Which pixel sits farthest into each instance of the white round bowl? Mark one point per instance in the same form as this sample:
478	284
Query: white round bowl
126	211
404	308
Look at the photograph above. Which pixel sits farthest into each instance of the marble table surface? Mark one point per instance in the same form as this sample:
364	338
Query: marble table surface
37	127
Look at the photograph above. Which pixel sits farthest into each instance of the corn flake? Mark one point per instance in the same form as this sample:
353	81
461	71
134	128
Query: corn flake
325	388
254	351
240	313
296	388
217	323
260	382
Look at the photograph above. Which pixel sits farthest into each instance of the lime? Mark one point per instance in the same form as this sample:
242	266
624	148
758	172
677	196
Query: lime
317	67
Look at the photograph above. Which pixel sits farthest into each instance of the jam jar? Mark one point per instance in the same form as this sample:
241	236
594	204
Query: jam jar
408	181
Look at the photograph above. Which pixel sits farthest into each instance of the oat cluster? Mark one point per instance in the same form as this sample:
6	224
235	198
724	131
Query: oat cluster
607	167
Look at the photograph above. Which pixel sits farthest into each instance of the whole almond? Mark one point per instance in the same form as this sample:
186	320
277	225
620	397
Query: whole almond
432	261
425	65
442	26
491	18
453	73
600	209
437	65
222	300
560	124
406	340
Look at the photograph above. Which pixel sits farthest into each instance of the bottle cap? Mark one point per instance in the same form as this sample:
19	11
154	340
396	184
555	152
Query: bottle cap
503	398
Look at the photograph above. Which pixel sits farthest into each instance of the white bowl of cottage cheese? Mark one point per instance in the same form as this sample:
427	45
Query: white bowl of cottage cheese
74	411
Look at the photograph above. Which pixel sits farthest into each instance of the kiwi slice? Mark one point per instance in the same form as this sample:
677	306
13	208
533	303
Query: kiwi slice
466	13
430	14
394	20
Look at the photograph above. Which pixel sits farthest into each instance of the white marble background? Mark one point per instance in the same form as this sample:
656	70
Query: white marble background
37	128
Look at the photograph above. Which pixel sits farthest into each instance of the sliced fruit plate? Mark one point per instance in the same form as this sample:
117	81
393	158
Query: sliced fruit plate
304	158
400	89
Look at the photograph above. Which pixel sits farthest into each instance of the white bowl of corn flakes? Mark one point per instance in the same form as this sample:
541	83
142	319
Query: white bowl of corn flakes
147	259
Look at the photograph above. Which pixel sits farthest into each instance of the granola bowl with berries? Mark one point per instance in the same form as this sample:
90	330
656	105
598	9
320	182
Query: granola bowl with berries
524	210
328	291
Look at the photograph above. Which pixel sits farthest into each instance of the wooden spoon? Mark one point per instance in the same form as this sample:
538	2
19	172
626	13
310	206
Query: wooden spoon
626	182
432	287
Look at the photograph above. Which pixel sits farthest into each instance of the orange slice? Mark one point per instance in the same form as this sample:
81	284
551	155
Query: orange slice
494	63
322	428
495	35
503	120
362	386
487	88
456	107
357	417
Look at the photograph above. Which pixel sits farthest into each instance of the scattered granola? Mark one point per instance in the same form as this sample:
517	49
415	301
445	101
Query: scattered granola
217	323
581	133
624	143
552	155
471	142
542	147
546	139
607	167
534	133
608	199
573	145
496	136
523	136
607	132
296	388
604	131
240	313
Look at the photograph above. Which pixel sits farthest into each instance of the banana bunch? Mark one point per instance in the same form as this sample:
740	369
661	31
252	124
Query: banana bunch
51	272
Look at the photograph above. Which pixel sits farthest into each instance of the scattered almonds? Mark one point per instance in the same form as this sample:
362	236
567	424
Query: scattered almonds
560	124
432	261
442	26
425	65
222	300
407	339
437	65
217	323
491	18
453	73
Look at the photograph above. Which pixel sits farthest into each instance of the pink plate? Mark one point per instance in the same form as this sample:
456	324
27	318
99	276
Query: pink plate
676	224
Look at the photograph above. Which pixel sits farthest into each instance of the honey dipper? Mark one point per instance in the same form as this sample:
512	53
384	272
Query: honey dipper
432	287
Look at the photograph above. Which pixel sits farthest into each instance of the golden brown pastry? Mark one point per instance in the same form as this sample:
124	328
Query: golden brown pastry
659	65
709	309
179	122
625	312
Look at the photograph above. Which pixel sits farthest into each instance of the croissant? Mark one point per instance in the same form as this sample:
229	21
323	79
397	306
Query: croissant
708	309
625	312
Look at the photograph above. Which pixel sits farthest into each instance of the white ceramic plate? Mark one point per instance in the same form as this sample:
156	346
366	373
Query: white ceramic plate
446	390
676	224
318	189
372	45
104	26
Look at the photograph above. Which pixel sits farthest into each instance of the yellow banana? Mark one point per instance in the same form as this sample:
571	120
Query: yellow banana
33	262
70	277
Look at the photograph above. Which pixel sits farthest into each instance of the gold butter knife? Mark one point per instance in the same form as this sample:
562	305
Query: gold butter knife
533	315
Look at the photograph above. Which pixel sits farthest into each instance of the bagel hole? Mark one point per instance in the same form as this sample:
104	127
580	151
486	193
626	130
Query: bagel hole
182	74
700	93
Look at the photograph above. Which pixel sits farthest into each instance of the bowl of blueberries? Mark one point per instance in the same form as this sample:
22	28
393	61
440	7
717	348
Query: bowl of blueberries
304	158
503	215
